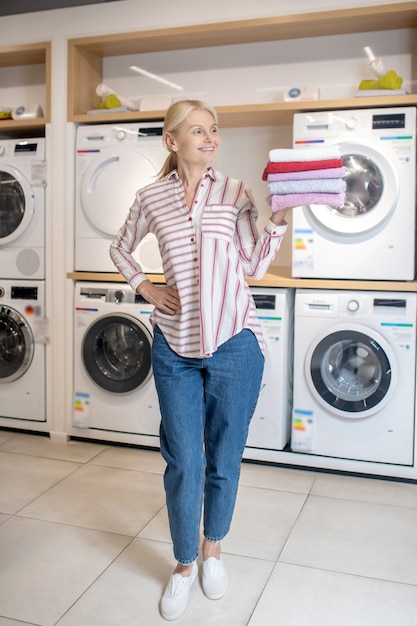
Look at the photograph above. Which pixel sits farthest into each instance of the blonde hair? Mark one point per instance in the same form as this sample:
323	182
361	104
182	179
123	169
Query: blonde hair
174	119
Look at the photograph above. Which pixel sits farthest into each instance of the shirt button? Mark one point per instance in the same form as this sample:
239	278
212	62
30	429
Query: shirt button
189	219
192	239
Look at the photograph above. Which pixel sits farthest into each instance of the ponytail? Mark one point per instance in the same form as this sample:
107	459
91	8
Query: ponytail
170	164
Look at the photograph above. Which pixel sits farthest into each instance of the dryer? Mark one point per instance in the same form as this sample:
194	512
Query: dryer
23	339
373	235
271	423
22	208
113	161
354	375
114	391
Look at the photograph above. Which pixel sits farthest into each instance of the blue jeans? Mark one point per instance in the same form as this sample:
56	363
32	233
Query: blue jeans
206	407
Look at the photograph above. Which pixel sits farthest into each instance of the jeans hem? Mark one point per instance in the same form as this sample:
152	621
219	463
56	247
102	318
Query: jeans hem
215	539
187	561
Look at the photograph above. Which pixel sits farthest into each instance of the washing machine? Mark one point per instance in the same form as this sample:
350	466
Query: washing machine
114	391
372	236
354	375
271	423
23	339
22	208
112	163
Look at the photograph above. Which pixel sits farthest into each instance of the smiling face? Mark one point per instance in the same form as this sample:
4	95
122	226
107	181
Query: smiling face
196	141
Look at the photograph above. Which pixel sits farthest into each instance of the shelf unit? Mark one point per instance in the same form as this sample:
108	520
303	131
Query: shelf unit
85	71
86	55
29	54
276	277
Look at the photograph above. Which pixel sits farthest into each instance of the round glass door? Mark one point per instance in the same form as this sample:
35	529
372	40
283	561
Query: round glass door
16	345
117	353
109	186
351	372
16	204
372	190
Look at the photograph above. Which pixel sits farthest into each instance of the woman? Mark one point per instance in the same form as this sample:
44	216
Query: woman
207	349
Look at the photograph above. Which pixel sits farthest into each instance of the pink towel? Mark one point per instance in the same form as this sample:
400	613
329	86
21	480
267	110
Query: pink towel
331	172
299	166
322	185
300	199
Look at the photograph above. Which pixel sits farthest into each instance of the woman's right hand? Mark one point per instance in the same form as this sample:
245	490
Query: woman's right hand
164	298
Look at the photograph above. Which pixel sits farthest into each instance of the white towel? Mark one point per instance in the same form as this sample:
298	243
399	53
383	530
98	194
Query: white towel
279	155
323	185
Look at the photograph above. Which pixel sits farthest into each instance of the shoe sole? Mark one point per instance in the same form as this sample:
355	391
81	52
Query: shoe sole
216	596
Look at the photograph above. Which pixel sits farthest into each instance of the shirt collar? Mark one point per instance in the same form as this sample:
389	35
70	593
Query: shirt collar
210	173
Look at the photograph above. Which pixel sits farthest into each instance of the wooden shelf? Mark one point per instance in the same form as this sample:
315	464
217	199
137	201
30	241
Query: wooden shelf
24	126
28	54
280	113
276	277
25	54
274	28
85	58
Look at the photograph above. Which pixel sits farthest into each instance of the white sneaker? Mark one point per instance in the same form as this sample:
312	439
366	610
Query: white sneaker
215	579
176	595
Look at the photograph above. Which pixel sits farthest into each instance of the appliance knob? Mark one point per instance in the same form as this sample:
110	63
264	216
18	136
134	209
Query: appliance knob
353	306
121	134
2	292
118	295
351	123
2	150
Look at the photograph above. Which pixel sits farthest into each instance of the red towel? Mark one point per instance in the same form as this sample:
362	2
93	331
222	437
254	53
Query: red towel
299	166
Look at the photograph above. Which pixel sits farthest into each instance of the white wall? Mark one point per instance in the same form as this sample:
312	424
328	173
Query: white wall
243	152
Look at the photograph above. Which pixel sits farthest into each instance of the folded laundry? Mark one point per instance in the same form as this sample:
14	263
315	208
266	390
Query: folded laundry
300	199
329	172
298	166
323	185
281	155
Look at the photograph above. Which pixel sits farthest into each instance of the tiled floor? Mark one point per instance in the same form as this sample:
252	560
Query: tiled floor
84	542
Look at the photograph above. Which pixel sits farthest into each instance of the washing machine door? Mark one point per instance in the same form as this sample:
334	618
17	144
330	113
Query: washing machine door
17	345
372	191
109	185
116	353
17	204
351	371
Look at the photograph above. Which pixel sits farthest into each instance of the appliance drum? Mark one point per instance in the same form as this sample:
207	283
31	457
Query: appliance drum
350	372
117	353
16	345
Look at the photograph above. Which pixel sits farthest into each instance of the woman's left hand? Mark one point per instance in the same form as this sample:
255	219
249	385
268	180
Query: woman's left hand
278	217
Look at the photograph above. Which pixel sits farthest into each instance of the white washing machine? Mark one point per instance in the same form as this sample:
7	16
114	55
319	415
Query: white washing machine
22	208
23	338
112	163
271	423
114	390
354	375
373	235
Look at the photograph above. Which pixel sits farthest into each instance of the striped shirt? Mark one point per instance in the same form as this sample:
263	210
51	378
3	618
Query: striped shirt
206	252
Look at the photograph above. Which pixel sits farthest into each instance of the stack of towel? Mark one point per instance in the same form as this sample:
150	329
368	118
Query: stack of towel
302	176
